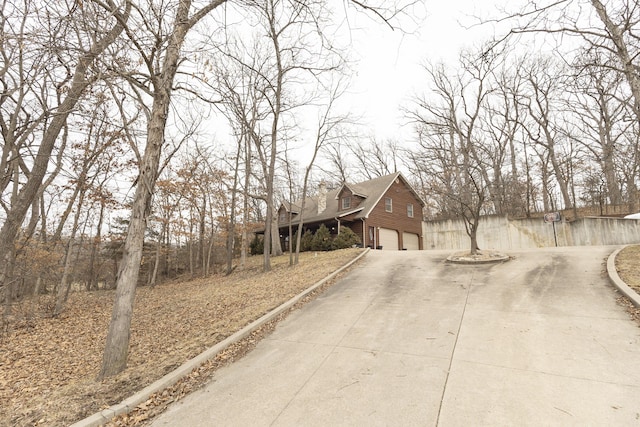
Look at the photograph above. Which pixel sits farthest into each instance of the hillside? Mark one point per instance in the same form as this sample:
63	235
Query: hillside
48	366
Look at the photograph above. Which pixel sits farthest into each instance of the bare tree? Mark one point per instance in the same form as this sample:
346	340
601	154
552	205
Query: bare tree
339	165
161	67
604	28
241	102
85	168
157	41
451	139
503	125
274	75
373	158
602	106
329	133
545	82
97	27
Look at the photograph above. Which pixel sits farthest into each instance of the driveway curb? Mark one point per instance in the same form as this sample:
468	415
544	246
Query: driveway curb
127	405
618	282
465	258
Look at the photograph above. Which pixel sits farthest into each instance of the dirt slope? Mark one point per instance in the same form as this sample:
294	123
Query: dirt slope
48	366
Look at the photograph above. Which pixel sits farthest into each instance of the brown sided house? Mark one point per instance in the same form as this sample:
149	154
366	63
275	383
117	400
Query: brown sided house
385	212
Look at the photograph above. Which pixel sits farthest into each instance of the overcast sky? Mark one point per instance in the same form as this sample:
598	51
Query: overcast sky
389	65
390	72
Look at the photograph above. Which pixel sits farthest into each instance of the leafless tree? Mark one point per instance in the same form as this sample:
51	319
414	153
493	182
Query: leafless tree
545	85
602	106
26	66
329	132
604	28
157	37
85	169
337	162
373	158
241	102
275	73
503	125
452	141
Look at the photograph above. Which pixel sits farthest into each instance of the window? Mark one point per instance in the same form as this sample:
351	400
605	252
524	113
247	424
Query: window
388	204
283	216
346	202
410	210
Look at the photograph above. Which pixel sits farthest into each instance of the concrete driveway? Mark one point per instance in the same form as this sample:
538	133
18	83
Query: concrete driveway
407	339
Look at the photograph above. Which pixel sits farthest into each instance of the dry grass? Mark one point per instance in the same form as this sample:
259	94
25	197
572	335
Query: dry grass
48	366
628	266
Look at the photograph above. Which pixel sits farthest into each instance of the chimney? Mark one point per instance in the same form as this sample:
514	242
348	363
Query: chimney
322	197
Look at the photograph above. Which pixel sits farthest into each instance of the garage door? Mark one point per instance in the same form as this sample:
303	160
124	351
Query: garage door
410	241
388	239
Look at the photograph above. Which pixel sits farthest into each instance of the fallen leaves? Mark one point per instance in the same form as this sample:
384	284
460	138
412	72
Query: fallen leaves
48	366
627	266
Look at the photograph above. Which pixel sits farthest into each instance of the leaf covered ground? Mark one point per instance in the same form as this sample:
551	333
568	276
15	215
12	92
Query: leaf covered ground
628	268
48	365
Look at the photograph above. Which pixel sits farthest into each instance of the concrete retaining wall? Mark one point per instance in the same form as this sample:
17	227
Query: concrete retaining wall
502	233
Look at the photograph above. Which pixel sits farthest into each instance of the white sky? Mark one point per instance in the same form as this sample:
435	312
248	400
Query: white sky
390	73
389	69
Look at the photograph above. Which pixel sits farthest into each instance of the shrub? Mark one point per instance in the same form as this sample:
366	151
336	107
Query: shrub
321	240
345	239
306	241
256	246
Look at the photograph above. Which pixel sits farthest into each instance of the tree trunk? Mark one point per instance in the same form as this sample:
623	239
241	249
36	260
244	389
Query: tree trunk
276	245
63	288
474	242
202	247
244	245
210	251
231	230
9	283
557	171
95	243
116	350
64	284
305	184
159	248
117	343
190	247
153	278
266	255
290	239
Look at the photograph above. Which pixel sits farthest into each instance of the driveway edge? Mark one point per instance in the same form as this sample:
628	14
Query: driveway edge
129	404
618	282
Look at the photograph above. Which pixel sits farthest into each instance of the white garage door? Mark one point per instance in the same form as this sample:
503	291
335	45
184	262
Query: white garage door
388	239
410	241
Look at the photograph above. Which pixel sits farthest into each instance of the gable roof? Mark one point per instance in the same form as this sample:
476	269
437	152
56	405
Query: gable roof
373	190
291	207
355	189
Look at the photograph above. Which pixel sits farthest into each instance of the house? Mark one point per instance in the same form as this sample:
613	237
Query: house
386	213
